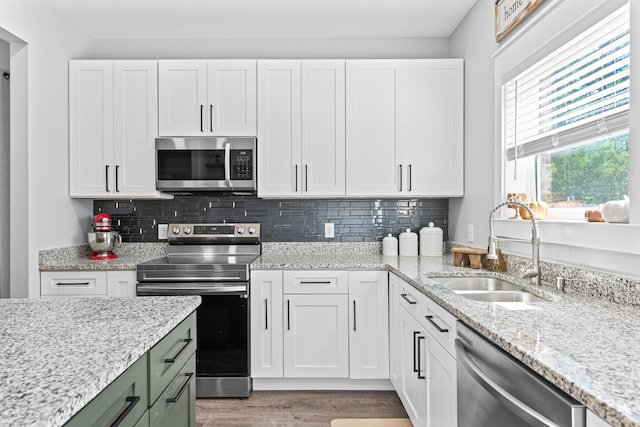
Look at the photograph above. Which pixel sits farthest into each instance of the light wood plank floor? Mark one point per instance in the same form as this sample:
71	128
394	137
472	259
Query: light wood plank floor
297	408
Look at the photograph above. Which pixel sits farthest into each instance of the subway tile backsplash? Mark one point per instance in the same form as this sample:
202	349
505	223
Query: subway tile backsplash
281	220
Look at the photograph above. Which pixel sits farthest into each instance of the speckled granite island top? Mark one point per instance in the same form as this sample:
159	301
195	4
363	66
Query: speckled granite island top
58	354
586	346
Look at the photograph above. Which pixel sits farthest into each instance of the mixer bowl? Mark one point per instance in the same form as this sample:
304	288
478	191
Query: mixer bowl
103	241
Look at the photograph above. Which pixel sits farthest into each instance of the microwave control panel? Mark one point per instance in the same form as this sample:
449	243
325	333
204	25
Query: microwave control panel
241	164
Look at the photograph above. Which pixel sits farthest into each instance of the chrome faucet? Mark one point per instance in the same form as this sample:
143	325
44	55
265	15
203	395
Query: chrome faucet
534	272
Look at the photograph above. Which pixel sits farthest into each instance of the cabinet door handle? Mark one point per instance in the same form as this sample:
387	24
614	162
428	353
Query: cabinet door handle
400	166
415	368
117	185
354	315
408	300
175	398
410	178
430	319
201	118
106	177
296	173
133	401
420	376
288	317
266	314
187	341
306	177
72	283
211	117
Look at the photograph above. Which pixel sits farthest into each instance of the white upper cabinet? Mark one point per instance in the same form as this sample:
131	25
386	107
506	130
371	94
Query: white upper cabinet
207	98
405	128
301	128
112	128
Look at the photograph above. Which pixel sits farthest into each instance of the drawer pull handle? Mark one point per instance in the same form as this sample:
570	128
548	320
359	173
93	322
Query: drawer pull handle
175	398
430	319
133	401
325	282
174	358
407	299
72	283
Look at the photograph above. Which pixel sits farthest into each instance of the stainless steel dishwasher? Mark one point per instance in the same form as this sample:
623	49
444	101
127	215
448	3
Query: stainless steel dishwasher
494	389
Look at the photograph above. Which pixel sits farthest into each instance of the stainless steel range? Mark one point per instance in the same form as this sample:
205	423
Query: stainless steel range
211	260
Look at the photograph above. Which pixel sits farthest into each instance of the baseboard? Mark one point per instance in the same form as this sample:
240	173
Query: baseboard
320	384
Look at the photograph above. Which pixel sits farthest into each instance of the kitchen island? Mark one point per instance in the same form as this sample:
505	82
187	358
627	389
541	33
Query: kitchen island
60	353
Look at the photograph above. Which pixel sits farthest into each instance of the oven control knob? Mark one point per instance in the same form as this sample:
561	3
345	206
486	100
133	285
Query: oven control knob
252	230
187	230
176	230
240	230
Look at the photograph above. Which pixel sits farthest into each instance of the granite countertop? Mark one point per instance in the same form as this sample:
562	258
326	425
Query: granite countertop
584	345
74	258
59	353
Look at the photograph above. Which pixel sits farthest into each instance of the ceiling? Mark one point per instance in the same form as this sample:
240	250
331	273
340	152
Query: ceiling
205	19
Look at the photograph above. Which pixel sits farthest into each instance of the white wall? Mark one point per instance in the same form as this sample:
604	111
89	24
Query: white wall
473	40
606	247
274	48
48	217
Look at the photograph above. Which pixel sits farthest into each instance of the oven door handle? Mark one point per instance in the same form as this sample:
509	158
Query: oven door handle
159	289
514	404
196	279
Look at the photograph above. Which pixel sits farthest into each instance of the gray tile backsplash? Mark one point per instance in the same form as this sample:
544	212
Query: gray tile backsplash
281	220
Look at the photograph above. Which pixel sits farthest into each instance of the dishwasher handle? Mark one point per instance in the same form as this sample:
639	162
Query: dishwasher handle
507	399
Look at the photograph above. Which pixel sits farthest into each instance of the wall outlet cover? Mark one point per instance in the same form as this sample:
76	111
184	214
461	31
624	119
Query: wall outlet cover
328	230
163	231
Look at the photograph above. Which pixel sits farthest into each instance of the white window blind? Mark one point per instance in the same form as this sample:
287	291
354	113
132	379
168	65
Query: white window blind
576	93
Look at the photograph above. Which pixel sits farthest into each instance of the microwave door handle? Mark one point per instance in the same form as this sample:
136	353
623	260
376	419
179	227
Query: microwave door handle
227	163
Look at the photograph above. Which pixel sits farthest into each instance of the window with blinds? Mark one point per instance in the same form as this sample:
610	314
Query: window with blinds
569	113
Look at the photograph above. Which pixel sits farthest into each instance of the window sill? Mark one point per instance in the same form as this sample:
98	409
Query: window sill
597	245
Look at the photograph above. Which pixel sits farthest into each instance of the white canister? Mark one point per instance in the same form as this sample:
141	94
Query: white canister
390	246
431	241
408	243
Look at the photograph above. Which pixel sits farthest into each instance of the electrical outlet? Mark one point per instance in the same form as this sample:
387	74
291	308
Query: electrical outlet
470	233
163	231
328	230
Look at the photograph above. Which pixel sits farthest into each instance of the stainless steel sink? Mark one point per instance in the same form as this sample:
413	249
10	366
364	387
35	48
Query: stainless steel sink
477	284
489	289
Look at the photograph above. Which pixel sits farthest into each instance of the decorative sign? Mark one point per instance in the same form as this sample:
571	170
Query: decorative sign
510	13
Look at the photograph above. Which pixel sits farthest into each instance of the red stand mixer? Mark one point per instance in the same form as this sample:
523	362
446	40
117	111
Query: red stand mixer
102	240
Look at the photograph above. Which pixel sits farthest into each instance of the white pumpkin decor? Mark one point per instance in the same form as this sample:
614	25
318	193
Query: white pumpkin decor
616	210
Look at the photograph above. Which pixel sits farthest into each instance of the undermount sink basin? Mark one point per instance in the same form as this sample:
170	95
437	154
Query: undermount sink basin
477	284
488	289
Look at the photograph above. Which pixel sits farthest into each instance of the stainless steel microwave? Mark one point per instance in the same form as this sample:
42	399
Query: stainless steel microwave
206	164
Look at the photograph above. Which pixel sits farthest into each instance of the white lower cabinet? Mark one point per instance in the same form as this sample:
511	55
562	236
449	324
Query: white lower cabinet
88	283
319	324
266	324
368	324
316	341
424	367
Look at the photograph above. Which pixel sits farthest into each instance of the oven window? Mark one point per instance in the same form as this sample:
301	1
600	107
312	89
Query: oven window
190	164
222	336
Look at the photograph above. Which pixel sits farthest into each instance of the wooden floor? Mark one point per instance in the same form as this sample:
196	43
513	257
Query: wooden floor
297	408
